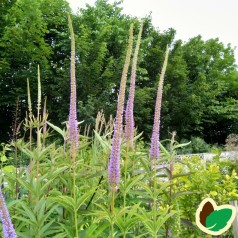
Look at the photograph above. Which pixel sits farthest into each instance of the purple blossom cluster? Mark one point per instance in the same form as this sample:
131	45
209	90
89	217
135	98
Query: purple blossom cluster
114	163
130	124
154	148
7	226
73	123
129	113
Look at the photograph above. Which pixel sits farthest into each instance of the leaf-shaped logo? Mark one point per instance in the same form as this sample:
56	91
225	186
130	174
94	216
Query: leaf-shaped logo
213	219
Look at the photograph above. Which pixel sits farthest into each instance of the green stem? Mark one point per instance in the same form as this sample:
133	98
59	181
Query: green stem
171	180
113	198
154	200
15	145
16	160
112	230
75	199
76	223
112	210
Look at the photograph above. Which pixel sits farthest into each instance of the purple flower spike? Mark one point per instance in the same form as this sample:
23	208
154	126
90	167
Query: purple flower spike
7	226
114	163
154	148
130	124
129	114
73	123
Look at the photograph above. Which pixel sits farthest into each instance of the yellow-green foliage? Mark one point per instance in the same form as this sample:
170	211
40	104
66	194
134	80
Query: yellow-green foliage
205	179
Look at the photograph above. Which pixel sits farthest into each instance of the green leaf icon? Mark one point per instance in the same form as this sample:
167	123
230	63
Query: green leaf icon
214	220
218	219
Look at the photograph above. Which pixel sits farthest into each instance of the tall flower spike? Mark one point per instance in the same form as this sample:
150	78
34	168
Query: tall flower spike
154	148
73	123
114	163
129	114
7	226
39	93
29	98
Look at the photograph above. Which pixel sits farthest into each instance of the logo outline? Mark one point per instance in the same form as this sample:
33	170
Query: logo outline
229	222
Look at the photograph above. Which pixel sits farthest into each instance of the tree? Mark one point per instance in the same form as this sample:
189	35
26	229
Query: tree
200	98
25	43
200	90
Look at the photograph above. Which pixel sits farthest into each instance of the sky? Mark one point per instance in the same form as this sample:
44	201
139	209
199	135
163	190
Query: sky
208	18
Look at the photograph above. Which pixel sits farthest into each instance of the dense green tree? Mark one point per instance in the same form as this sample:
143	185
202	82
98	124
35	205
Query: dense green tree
26	42
102	34
201	101
200	90
210	82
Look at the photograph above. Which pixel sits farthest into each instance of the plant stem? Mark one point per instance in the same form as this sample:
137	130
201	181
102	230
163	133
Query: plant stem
75	198
170	194
154	200
16	160
15	145
170	179
112	211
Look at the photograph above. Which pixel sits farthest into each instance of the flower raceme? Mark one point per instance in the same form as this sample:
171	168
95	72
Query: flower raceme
73	123
129	113
7	226
114	163
154	148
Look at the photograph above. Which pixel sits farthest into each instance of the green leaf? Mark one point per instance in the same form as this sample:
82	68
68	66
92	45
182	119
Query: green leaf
9	169
81	199
53	176
218	219
137	136
182	145
105	145
93	230
166	152
27	212
128	220
129	183
45	230
3	158
56	128
65	201
179	194
182	174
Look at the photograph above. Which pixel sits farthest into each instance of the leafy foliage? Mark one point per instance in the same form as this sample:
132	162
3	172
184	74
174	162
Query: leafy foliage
207	179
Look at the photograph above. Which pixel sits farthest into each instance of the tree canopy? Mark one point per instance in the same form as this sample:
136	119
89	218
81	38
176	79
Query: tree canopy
200	91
